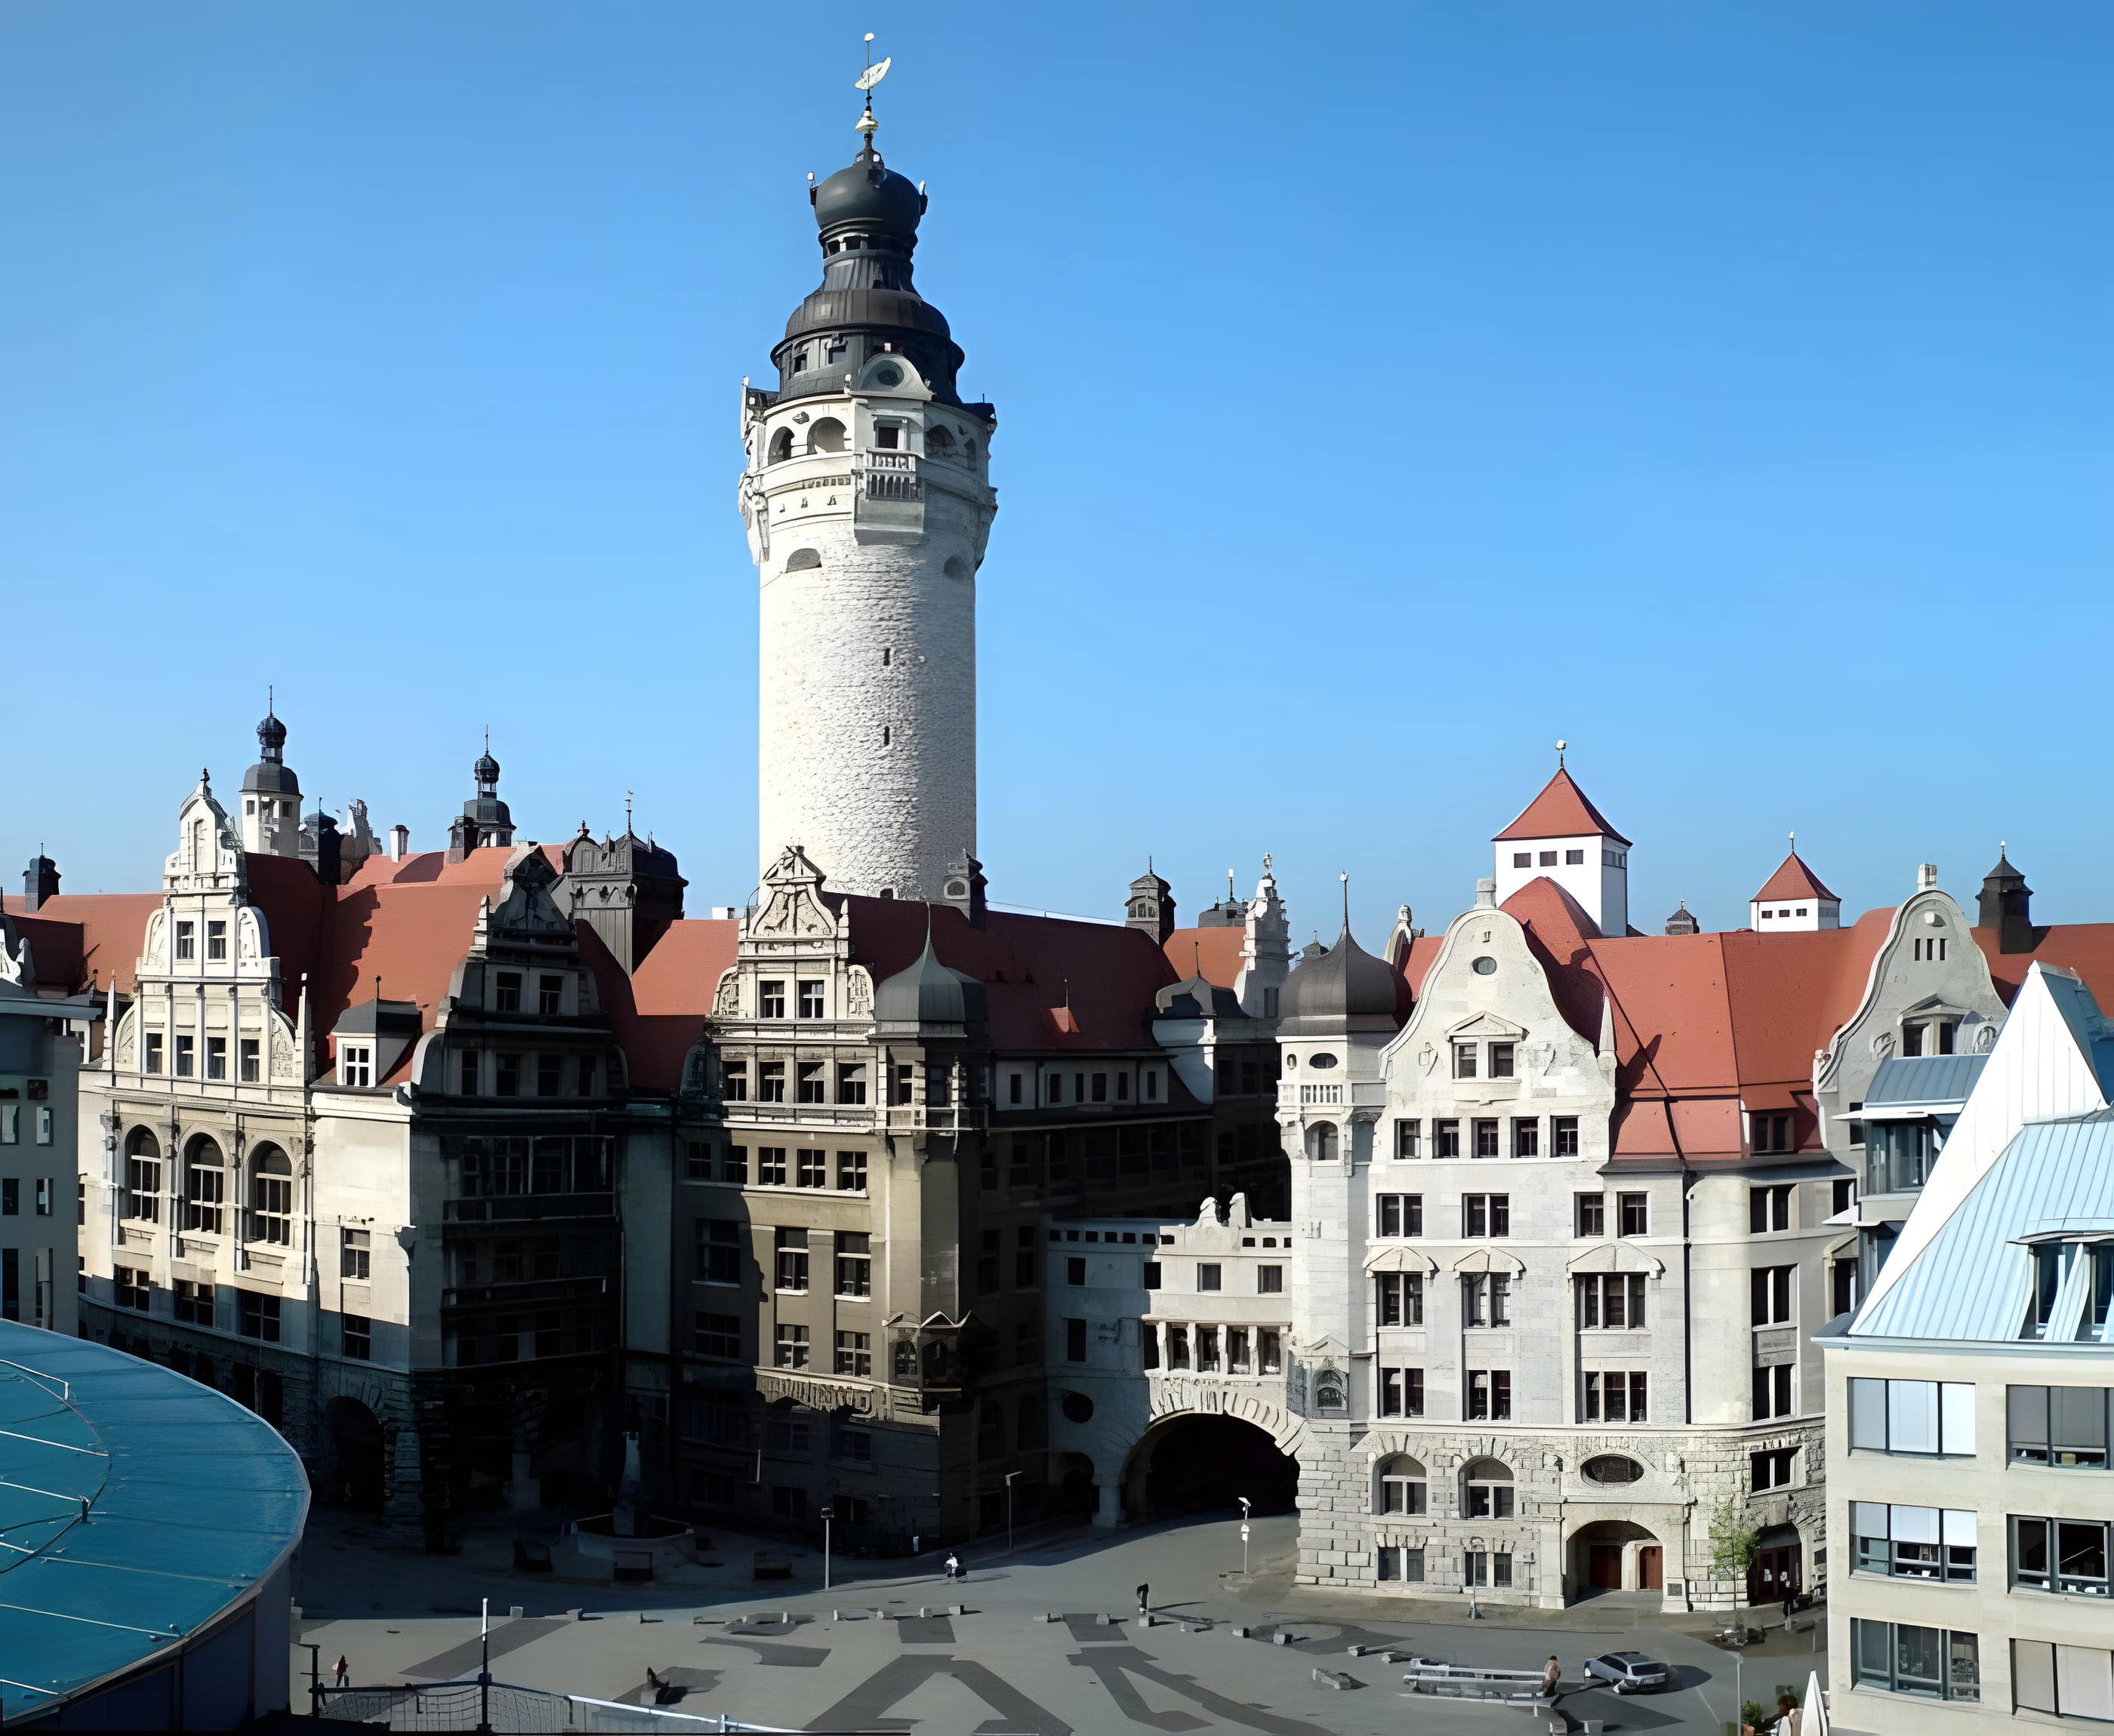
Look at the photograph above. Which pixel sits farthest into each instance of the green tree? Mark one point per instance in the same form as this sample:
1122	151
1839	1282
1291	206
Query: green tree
1734	1542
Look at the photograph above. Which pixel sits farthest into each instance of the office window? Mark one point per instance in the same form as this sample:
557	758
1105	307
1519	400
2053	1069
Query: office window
716	1335
789	1346
1526	1136
1938	1663
2060	1426
1399	1214
506	996
1401	1395
851	1172
355	1255
1590	1214
1269	1281
855	1358
771	1000
1465	1060
1486	1214
257	1315
1075	1341
1398	1298
1486	1299
1409	1139
719	1250
1611	1301
851	1082
1489	1394
771	1166
1923	1417
1773	1391
356	1333
1614	1397
2068	1556
1768	1208
44	1196
1771	1470
791	1246
812	1168
1770	1295
1633	1212
2066	1681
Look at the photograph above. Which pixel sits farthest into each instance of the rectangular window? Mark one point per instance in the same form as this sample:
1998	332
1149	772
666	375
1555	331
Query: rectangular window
811	999
216	1057
1770	1132
1270	1358
1398	1298
154	1052
1526	1137
133	1287
1938	1663
355	1255
734	1167
355	1065
257	1316
1486	1214
507	995
1611	1301
733	1081
1768	1208
1773	1391
716	1335
1591	1213
185	1051
1446	1138
1401	1395
1075	1270
507	1071
1501	1061
550	1075
549	996
851	1172
10	1197
1075	1341
1486	1139
1842	1287
1634	1212
1922	1417
1770	1295
44	1196
791	1246
813	1168
855	1358
719	1250
851	1082
1013	1087
771	1000
855	1262
771	1166
356	1331
2067	1556
1408	1138
1464	1060
1489	1396
194	1303
1269	1281
1208	1276
186	940
789	1345
809	1085
1614	1395
1770	1470
215	940
1399	1214
2067	1681
1486	1299
771	1082
2060	1426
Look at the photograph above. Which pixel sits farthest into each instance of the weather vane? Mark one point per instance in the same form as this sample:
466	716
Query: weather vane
874	74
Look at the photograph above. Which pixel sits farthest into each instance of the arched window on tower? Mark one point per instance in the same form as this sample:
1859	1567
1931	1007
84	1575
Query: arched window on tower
781	445
826	435
800	560
1321	1142
939	443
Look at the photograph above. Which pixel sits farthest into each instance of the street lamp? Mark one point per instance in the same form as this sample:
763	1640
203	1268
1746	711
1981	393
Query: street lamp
1009	1476
828	1513
1247	1505
484	1665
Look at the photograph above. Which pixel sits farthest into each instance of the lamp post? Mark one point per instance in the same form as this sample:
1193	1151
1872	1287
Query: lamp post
829	1512
484	1663
1246	1507
1009	1476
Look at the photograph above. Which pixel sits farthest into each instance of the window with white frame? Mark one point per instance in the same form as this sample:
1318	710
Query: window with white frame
1934	1419
1913	1542
356	1064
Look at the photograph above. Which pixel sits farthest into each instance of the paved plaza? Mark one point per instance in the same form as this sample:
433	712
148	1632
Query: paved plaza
725	1640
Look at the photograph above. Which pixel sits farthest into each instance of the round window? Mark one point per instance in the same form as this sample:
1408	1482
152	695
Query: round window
1322	1060
1486	966
1078	1407
887	374
1612	1467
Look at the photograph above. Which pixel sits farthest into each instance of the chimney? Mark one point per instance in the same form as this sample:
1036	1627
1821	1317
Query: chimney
400	843
1926	876
40	881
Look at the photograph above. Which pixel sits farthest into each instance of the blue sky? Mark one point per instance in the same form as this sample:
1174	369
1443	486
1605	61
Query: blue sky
1384	392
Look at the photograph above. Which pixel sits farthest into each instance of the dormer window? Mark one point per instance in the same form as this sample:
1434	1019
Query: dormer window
800	361
834	350
355	1065
1464	1060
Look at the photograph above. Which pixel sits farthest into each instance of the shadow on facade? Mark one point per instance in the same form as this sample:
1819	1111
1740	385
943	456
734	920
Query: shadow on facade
1188	1464
1615	1555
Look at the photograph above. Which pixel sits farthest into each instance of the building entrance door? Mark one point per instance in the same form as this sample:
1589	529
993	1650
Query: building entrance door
1649	1573
1776	1573
1603	1566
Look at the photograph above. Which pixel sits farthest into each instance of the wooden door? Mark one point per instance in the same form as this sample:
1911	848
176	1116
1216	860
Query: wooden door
1603	1566
1649	1571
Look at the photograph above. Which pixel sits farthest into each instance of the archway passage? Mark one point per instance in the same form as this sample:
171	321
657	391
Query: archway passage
1204	1464
1615	1555
356	1448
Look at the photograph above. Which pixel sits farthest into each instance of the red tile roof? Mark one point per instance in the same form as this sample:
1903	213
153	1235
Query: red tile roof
2086	947
1792	879
1213	953
1560	811
102	934
659	1013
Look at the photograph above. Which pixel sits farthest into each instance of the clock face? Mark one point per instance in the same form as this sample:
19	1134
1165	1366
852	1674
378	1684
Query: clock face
887	374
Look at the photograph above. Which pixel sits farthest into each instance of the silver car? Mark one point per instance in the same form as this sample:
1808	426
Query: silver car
1630	1673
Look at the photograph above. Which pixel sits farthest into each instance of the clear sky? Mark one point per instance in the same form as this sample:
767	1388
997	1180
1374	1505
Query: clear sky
1384	392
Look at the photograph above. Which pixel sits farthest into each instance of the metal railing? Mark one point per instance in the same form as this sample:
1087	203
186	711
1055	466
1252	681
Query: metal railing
472	1705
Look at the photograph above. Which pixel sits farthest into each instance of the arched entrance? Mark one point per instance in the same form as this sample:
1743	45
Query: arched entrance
355	1438
1776	1573
1615	1555
1196	1463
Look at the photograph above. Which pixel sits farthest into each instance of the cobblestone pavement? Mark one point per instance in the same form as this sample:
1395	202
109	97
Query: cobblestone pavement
723	1638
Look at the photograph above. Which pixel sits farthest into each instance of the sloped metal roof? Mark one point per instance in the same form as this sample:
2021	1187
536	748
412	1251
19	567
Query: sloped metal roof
135	1506
1924	1078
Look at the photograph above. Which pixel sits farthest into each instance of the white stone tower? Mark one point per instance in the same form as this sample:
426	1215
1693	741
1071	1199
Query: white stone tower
271	795
868	506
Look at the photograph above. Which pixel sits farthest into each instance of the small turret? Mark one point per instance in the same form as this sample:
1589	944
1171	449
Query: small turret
484	821
2005	905
1150	907
41	882
271	793
1683	921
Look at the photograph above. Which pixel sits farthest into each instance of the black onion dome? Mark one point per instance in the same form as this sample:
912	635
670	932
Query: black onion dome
270	736
928	993
271	775
1345	982
869	196
485	770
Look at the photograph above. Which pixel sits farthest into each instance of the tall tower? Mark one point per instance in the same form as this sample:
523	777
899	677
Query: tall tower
271	795
868	506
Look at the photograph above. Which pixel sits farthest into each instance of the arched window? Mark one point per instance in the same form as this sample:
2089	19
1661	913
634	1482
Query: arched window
1321	1142
802	560
781	445
1031	1423
270	1196
1401	1486
1328	1393
968	451
205	1184
1487	1484
142	1175
956	567
906	1359
198	862
939	443
826	435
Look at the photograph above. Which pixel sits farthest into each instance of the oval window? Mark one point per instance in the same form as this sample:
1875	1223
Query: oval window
1612	1467
1322	1060
887	374
1078	1407
1485	966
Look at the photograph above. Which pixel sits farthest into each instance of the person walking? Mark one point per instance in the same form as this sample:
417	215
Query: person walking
343	1673
1552	1676
1144	1599
953	1565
